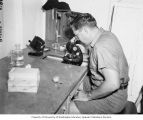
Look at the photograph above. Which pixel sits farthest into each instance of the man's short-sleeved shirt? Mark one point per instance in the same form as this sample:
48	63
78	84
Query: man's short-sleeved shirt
106	52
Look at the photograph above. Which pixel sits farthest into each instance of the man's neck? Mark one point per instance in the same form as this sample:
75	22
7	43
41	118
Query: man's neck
95	32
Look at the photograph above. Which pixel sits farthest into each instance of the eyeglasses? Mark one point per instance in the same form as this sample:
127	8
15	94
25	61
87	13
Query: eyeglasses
76	36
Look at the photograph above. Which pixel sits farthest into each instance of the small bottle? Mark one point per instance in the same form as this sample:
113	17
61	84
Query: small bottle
19	56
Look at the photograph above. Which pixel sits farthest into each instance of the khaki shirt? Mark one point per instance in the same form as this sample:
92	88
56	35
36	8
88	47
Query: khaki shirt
106	52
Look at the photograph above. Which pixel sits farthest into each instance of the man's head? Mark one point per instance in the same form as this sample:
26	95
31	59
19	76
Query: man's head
84	26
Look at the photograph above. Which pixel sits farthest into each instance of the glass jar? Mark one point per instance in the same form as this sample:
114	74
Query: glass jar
17	57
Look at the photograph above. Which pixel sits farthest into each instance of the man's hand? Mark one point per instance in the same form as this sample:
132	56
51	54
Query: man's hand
81	96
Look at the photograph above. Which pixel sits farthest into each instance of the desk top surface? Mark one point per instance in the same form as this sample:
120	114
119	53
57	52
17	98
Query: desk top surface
49	96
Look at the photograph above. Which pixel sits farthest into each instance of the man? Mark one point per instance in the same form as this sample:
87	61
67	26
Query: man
105	92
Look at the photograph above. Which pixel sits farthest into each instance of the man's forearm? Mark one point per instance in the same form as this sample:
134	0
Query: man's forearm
102	91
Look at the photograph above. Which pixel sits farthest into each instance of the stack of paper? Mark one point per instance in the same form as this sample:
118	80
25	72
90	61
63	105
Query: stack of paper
24	80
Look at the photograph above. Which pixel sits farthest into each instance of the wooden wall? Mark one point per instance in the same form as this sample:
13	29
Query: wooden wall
62	25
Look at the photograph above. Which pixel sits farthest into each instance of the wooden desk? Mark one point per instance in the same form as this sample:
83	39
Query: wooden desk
51	98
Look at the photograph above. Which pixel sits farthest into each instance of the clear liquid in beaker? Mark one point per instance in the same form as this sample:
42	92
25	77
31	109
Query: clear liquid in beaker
17	58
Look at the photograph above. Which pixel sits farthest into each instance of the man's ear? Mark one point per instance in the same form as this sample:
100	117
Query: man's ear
86	30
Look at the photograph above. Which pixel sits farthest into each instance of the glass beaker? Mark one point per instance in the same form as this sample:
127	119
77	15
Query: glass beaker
17	57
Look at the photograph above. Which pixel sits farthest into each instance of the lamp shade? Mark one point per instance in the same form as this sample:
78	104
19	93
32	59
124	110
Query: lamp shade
51	4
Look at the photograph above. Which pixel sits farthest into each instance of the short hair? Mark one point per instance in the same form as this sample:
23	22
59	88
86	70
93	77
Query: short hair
83	19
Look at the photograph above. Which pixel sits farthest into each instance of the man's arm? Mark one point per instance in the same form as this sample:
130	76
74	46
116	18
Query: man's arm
111	83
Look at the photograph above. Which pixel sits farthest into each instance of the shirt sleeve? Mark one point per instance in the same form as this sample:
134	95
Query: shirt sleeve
107	58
